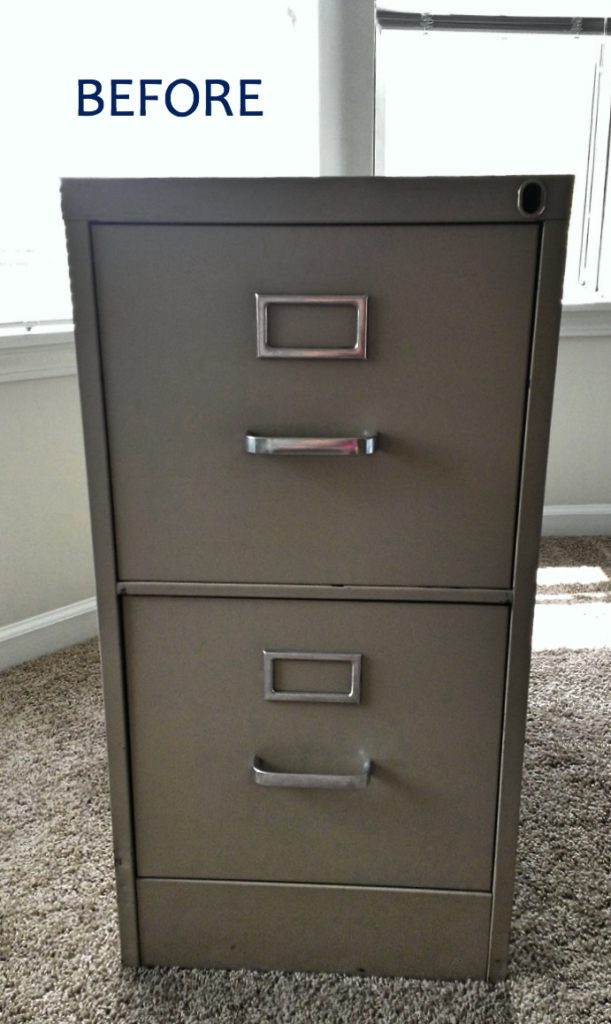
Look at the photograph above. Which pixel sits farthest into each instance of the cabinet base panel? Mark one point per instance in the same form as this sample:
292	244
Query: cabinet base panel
328	928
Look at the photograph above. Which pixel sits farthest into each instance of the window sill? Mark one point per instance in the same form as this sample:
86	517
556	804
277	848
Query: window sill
587	320
42	350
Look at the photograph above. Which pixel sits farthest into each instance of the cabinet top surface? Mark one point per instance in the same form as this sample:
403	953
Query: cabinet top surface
349	200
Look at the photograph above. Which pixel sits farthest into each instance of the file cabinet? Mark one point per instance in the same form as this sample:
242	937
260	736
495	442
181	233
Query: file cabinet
316	416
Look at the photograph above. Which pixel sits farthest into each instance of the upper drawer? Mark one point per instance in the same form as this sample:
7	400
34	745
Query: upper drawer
443	385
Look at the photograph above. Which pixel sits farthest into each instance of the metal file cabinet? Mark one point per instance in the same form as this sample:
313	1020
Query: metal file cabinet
316	415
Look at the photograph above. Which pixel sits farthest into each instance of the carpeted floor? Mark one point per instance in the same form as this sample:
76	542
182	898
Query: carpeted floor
59	950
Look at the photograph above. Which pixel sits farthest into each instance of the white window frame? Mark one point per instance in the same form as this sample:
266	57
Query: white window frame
349	90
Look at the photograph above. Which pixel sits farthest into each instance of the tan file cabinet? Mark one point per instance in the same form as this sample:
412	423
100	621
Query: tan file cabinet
316	417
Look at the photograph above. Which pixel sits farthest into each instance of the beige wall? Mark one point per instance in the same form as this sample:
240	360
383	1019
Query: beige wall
579	465
45	545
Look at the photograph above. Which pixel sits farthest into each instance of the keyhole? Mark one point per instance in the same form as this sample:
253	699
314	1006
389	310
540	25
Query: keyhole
531	198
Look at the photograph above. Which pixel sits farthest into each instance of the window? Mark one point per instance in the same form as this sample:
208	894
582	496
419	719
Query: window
48	47
447	101
502	95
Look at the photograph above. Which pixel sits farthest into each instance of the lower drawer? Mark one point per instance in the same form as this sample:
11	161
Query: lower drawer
428	718
313	928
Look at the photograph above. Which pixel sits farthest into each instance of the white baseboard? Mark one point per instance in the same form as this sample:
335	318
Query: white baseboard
42	634
576	520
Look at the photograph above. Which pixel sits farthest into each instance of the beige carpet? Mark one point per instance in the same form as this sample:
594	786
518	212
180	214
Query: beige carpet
58	947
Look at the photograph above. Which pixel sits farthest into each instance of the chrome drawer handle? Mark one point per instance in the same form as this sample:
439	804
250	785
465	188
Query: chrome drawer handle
366	444
356	351
296	780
